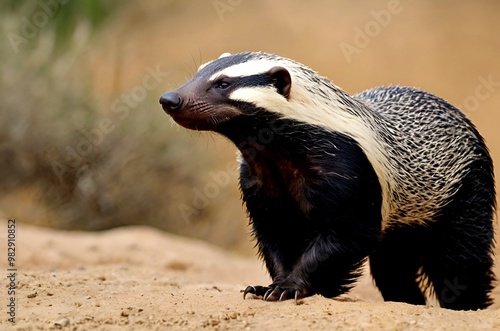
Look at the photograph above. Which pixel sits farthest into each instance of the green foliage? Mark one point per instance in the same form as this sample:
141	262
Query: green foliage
60	17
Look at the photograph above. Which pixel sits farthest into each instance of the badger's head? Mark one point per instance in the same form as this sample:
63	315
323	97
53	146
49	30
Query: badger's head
262	86
216	93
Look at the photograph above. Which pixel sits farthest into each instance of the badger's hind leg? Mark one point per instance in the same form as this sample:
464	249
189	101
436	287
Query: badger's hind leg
459	269
459	263
396	262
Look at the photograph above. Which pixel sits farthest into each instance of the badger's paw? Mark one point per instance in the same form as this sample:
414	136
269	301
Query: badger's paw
275	292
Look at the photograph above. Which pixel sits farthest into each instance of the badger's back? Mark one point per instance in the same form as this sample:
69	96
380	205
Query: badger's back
433	147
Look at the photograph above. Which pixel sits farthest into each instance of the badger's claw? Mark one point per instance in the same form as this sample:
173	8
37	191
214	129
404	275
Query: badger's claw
275	293
260	291
281	294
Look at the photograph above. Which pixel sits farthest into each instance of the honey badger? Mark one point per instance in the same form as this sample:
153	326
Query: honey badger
395	174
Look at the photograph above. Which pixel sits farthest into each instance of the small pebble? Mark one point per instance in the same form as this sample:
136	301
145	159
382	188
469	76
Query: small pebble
62	322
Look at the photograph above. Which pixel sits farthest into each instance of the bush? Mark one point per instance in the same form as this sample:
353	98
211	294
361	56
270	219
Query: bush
70	160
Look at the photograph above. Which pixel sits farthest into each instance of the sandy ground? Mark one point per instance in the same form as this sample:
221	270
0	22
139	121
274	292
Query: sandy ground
139	278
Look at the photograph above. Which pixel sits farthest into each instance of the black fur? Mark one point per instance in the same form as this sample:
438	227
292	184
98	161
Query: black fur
313	200
459	257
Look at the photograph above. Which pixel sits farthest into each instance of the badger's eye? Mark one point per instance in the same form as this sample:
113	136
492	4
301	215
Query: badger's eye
221	84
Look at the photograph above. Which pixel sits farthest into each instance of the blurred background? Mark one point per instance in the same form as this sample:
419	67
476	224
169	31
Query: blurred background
84	144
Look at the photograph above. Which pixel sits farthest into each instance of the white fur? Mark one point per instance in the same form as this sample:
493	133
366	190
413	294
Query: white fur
224	55
246	69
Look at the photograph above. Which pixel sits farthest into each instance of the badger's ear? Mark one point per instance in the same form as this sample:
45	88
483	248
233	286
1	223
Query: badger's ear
281	80
224	55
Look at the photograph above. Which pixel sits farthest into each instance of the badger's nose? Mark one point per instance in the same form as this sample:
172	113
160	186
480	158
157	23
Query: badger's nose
170	101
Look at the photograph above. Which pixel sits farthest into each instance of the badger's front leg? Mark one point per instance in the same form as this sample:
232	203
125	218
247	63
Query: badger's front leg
313	230
293	283
327	267
284	286
312	253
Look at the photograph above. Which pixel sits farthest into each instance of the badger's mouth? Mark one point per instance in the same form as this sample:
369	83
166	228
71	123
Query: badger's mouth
196	114
199	121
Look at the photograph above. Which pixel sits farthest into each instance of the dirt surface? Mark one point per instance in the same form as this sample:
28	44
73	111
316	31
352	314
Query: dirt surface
139	278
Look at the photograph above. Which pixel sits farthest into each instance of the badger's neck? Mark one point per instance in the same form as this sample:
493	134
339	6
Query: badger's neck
329	108
285	159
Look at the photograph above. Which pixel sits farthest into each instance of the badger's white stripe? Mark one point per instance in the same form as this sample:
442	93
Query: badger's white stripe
246	69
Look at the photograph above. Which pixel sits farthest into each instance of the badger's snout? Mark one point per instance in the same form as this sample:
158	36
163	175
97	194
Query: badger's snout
170	102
